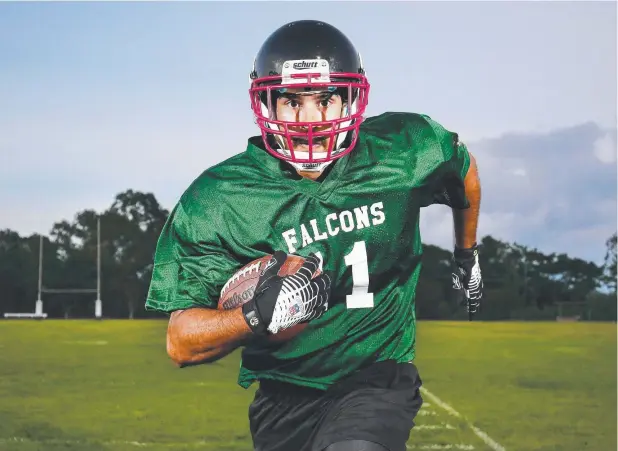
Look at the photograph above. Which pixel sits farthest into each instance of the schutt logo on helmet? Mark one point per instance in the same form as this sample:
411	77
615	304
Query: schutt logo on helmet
302	65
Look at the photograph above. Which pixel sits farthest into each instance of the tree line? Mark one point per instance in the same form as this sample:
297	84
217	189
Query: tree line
521	283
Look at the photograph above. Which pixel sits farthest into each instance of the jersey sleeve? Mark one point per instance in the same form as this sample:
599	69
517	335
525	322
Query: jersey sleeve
190	264
447	164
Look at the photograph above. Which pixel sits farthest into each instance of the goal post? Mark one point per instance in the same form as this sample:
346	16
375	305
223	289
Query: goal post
38	309
574	311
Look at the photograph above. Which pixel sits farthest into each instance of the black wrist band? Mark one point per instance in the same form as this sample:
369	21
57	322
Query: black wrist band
253	319
460	253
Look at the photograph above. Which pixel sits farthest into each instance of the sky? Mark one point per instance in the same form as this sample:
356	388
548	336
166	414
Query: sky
98	98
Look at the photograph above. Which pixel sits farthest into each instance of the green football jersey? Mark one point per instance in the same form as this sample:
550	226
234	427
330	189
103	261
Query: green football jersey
363	220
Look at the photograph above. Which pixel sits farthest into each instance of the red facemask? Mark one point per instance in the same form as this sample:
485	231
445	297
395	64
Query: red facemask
309	75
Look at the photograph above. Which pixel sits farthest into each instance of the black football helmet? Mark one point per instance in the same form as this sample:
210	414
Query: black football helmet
312	56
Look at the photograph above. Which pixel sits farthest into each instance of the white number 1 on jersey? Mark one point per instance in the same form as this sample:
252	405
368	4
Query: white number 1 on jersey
357	258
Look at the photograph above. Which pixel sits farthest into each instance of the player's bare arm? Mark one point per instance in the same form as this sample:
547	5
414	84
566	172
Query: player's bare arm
467	277
201	335
466	220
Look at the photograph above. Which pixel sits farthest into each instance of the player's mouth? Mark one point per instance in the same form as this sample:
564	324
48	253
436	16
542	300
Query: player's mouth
303	144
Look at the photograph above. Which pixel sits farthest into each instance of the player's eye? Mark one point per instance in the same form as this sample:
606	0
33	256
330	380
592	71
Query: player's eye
326	101
292	103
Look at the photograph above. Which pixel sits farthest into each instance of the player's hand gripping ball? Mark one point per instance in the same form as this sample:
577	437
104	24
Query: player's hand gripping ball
279	293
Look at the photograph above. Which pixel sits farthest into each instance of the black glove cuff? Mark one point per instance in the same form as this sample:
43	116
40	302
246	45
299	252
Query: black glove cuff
465	254
253	318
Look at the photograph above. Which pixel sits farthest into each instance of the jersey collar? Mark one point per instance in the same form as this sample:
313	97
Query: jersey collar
279	169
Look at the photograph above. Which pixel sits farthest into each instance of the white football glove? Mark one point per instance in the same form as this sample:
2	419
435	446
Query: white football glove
467	278
282	302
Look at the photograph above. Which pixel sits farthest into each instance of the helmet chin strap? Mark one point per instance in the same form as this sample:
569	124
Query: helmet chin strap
310	167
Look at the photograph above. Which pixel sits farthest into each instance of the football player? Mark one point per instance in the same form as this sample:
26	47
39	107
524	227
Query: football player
345	192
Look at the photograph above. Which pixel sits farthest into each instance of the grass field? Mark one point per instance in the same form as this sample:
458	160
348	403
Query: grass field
108	385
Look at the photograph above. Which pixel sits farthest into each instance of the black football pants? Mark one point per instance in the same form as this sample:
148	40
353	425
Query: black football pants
374	408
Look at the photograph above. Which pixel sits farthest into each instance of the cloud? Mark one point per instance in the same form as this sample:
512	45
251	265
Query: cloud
555	191
605	148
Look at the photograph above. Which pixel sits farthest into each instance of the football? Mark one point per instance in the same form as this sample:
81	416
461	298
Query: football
241	286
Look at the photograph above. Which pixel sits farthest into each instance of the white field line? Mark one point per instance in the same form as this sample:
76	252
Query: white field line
435	426
495	446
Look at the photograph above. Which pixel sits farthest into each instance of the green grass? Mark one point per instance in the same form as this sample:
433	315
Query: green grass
99	386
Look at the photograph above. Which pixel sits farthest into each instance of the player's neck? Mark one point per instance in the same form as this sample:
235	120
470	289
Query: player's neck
310	175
